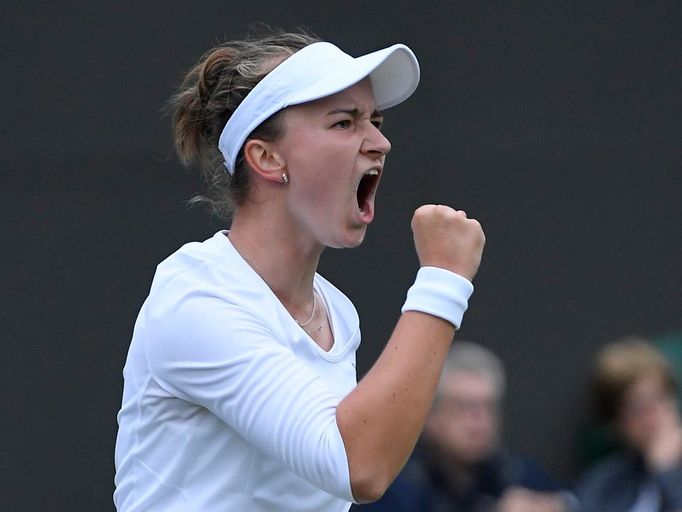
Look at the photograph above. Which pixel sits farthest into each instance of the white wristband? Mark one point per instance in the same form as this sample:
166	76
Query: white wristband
440	293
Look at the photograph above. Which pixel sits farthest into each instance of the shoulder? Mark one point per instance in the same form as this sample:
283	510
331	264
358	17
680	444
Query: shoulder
612	484
516	470
203	292
614	466
210	261
616	475
206	270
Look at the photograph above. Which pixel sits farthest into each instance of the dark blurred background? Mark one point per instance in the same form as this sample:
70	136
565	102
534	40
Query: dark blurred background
557	124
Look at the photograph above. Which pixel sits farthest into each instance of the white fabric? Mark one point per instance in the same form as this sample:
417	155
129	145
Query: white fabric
228	405
314	72
440	293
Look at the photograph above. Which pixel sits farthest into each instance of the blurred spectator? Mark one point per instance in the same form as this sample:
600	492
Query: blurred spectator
635	392
459	464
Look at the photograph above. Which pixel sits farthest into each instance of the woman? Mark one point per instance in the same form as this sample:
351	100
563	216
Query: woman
240	389
636	392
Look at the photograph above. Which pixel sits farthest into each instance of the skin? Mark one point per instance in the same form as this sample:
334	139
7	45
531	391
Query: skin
518	499
345	136
464	421
327	147
464	424
325	152
649	422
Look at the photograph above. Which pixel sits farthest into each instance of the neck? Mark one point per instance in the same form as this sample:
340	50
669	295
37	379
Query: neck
279	254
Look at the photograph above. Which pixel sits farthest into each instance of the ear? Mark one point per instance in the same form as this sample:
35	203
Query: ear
264	159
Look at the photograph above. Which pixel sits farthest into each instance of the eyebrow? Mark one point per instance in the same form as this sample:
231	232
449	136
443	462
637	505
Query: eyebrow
353	112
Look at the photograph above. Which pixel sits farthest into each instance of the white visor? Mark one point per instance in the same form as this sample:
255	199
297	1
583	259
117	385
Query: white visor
314	72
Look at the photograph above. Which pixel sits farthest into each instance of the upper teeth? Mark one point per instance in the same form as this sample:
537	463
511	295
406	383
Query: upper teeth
372	172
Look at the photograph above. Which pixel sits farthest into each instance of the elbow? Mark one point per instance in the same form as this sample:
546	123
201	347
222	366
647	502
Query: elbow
369	486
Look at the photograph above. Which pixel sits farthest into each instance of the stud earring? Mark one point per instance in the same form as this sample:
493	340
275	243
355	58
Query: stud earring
285	178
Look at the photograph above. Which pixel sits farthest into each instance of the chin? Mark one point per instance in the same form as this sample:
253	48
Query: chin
350	239
356	241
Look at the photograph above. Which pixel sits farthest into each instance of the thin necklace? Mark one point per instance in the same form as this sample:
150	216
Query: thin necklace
303	324
319	327
316	329
300	324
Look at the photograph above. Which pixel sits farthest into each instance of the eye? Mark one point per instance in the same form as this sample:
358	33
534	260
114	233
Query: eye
344	123
378	122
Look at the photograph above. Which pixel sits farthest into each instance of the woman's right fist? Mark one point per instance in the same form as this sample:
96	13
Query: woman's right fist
446	238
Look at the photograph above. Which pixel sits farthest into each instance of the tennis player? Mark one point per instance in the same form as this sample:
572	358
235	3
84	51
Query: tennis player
240	388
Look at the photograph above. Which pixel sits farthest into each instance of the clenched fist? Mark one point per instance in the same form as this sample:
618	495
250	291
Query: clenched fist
446	238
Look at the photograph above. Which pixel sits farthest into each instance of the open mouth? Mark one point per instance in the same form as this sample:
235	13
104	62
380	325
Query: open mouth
367	188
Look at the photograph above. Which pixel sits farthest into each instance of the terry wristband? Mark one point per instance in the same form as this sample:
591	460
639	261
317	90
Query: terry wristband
440	293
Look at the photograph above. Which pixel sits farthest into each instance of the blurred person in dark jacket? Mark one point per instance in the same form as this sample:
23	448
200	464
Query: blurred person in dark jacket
459	464
636	394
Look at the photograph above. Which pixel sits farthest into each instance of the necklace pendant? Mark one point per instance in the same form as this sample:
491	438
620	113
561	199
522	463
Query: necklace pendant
318	328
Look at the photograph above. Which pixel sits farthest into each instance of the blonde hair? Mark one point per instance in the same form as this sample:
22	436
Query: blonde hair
620	364
466	356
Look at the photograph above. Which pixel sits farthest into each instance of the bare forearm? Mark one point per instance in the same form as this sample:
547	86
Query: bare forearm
382	418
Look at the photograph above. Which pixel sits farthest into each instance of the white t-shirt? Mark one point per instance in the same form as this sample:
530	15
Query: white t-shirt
228	405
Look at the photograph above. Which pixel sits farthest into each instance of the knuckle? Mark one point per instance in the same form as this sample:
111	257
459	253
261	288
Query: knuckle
422	211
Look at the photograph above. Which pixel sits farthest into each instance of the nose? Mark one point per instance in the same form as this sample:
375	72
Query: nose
375	144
